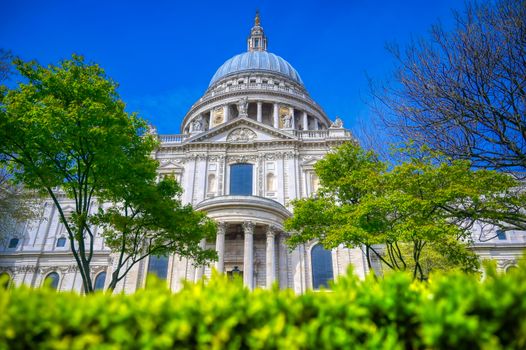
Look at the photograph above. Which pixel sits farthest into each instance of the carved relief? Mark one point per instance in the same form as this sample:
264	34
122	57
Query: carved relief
241	135
217	116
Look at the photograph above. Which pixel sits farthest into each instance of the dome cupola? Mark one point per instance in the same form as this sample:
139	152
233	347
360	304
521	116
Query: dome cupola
257	58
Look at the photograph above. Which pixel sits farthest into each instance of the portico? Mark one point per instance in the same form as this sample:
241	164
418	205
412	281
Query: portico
246	239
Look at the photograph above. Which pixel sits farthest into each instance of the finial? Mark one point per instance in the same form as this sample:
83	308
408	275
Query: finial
257	20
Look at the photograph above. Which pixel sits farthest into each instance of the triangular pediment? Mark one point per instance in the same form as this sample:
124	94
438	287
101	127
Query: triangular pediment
241	130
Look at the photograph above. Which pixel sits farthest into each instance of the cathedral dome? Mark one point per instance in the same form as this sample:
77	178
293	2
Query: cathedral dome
256	61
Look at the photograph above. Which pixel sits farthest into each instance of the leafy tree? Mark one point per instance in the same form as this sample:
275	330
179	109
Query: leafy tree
148	218
64	132
463	92
398	213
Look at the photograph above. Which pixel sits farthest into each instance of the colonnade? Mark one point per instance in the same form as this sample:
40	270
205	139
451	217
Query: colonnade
248	252
304	117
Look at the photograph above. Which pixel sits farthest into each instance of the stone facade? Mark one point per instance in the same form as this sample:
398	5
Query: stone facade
255	112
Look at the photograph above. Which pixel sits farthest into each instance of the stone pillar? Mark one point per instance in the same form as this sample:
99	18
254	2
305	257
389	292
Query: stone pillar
276	115
226	113
271	256
211	119
248	255
260	112
291	112
305	121
220	247
316	126
200	270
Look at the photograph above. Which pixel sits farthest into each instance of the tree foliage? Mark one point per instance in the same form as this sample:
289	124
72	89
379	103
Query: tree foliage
148	218
65	133
397	213
463	92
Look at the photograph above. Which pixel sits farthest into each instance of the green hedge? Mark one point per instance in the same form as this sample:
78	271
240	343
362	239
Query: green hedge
452	311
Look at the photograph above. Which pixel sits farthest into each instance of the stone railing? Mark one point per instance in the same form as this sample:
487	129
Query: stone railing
255	86
322	134
173	138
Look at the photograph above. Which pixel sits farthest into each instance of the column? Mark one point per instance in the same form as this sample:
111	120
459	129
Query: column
220	247
211	119
200	270
226	113
260	112
276	115
248	255
316	126
305	121
271	256
291	112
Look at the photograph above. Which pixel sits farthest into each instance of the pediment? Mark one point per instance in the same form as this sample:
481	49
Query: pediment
241	130
170	164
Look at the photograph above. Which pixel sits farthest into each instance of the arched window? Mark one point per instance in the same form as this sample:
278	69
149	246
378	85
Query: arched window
158	265
61	242
100	280
321	262
271	182
13	243
5	280
241	179
211	183
52	280
511	268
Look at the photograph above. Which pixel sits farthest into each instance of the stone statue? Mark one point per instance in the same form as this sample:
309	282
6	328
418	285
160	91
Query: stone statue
151	130
242	107
287	121
197	124
337	124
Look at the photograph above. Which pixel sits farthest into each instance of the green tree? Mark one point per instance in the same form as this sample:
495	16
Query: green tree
149	219
398	213
65	133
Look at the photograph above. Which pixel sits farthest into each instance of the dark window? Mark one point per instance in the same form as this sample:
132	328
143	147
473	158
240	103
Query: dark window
61	242
501	235
321	260
100	280
241	179
13	242
52	280
158	266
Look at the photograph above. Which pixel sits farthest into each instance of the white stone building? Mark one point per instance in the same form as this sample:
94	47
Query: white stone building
247	148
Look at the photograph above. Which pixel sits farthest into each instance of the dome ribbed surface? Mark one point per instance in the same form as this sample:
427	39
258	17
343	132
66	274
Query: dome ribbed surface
256	61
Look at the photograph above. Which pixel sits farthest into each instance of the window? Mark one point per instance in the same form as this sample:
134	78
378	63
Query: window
511	268
100	280
256	42
501	235
52	280
158	265
61	242
13	243
241	179
321	262
271	182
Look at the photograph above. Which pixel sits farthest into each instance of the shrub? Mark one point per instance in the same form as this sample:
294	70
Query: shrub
452	310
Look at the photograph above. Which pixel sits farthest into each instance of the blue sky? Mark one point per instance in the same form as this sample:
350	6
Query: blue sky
164	53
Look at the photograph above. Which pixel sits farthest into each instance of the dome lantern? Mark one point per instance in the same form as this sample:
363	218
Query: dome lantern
257	41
